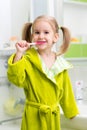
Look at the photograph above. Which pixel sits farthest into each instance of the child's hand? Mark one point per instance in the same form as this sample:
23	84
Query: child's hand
22	46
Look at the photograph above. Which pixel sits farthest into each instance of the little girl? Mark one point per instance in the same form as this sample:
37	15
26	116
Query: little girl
43	74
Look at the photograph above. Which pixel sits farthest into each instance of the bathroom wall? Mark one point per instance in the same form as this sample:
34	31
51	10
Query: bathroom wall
13	14
5	21
19	15
75	17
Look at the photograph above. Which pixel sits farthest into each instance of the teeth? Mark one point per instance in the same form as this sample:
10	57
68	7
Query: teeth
41	41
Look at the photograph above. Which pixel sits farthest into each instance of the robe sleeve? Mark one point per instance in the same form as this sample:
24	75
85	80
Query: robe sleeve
16	71
68	102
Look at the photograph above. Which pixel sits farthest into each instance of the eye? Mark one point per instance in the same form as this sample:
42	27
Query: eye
37	32
46	32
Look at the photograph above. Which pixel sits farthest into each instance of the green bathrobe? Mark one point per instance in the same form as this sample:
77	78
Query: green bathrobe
44	96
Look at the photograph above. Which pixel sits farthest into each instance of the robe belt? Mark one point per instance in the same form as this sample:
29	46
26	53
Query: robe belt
45	114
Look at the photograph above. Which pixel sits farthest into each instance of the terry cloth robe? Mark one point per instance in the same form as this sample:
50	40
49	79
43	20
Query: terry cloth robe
44	95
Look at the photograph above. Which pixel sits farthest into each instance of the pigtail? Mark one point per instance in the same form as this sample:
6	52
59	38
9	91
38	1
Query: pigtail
66	41
26	33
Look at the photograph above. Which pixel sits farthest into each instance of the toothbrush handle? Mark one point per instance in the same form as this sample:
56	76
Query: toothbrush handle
33	43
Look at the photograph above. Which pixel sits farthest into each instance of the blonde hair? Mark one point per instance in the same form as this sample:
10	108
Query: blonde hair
28	29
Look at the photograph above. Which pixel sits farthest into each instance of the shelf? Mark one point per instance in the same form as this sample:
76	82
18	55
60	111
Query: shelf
77	54
76	2
7	51
78	61
77	51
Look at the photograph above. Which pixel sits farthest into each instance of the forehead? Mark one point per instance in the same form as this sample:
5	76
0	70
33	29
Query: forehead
42	24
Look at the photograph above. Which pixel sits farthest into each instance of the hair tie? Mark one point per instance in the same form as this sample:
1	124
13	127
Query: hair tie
59	27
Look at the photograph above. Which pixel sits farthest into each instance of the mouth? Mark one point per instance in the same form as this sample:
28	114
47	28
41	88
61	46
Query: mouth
41	42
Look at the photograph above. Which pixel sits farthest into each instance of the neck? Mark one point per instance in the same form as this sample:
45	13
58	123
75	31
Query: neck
45	53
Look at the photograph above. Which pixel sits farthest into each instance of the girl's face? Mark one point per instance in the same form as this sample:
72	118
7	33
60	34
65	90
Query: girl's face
43	31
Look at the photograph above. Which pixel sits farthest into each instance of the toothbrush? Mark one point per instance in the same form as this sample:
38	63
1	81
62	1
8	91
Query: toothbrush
34	43
37	43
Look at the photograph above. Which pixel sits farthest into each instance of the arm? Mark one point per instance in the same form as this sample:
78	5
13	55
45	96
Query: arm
68	102
16	72
17	65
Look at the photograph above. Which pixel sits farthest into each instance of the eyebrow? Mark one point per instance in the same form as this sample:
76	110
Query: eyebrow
39	30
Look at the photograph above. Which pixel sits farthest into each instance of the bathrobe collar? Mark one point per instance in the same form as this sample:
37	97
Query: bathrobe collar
61	63
32	54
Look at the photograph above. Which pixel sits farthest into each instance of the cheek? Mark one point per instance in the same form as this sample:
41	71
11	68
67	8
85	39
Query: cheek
34	37
51	38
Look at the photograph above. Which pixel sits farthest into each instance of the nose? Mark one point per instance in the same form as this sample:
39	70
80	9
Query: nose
41	35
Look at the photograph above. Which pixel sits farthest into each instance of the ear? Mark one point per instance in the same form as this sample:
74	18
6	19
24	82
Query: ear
56	36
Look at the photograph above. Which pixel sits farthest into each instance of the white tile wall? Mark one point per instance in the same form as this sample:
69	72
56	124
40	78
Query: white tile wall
75	17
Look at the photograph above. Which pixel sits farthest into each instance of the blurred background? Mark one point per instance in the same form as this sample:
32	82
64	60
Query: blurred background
13	15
